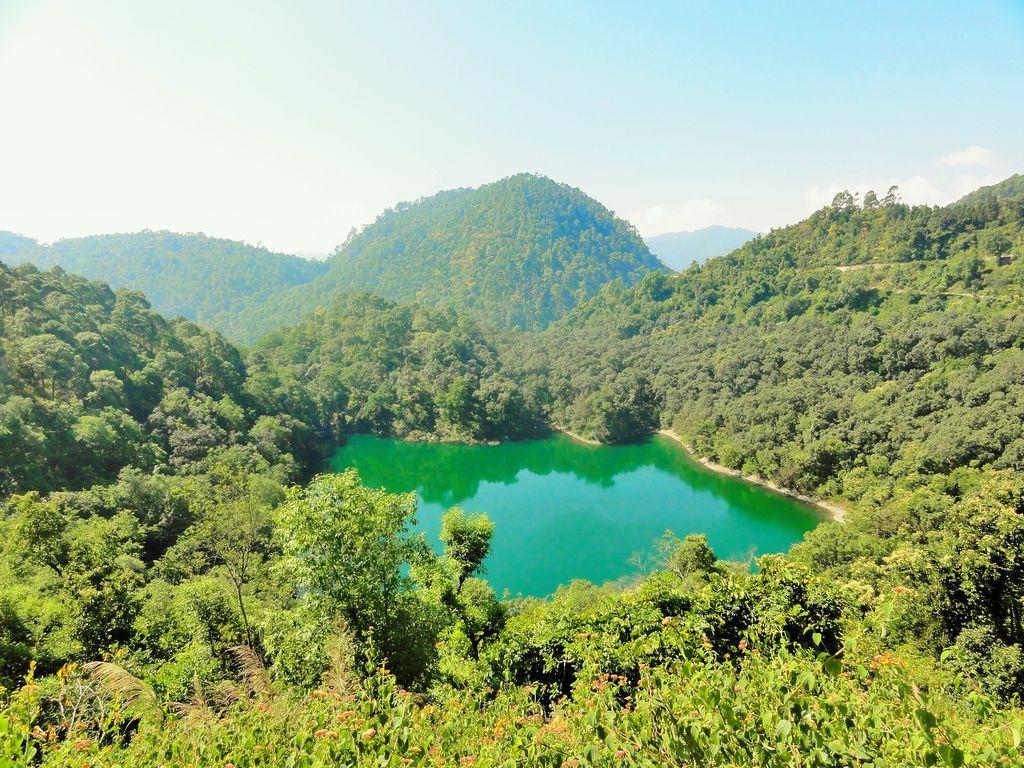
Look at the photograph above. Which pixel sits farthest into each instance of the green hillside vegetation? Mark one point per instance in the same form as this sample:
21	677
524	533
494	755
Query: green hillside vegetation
93	382
814	347
198	277
366	364
517	253
1005	189
211	601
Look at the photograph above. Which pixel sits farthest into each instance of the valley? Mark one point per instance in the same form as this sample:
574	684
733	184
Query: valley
511	385
282	523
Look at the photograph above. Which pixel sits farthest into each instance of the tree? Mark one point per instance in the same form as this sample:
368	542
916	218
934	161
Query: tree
994	243
236	534
346	545
467	540
690	556
460	408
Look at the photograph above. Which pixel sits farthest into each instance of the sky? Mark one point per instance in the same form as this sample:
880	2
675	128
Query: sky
289	123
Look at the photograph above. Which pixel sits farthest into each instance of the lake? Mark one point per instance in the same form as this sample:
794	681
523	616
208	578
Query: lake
567	510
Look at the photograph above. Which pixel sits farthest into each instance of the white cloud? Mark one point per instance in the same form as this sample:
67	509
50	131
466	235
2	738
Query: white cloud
974	155
691	214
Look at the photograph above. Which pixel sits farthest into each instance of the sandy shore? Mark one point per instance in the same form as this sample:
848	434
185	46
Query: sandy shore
574	436
835	511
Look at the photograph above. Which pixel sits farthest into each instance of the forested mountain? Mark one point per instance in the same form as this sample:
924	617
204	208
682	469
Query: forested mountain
518	253
198	277
1006	189
678	250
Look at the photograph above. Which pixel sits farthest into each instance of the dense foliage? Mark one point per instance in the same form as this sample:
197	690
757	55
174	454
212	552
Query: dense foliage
365	364
266	595
1007	188
865	334
202	278
872	354
93	381
519	252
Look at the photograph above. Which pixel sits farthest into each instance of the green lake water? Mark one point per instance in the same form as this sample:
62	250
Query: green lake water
566	510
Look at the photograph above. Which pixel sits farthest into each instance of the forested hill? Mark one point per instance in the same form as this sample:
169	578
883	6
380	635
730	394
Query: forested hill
791	355
12	243
370	365
191	275
519	252
93	381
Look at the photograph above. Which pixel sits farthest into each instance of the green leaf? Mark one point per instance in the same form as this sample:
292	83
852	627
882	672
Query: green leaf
951	755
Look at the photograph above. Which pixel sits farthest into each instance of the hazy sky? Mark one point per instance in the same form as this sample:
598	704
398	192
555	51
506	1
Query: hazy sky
289	123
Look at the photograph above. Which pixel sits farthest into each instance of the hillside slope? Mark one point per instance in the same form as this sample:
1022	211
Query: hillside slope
873	356
370	365
191	275
520	252
678	250
1004	190
830	308
93	381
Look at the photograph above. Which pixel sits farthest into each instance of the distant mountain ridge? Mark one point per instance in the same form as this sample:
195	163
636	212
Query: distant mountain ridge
11	244
518	253
680	250
192	275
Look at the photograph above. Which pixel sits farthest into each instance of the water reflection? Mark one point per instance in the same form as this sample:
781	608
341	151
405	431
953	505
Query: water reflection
451	473
565	510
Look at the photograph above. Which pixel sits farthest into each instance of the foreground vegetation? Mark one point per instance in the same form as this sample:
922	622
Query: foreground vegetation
261	637
178	587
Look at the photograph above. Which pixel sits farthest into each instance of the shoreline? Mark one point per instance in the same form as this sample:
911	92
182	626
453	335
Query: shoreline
836	512
574	436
